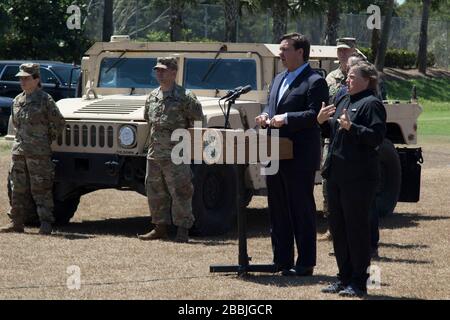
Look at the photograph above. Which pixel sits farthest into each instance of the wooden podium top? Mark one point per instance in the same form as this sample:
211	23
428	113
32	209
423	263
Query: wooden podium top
237	146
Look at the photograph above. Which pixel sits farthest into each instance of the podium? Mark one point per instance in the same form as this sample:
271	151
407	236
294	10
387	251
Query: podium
239	146
237	142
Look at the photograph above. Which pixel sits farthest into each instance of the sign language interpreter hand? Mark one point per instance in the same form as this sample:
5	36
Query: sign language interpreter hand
325	113
344	120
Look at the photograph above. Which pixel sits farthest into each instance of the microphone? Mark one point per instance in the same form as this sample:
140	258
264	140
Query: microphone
231	92
245	89
242	90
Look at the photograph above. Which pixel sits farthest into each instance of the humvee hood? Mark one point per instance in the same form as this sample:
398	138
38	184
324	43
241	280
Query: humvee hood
116	107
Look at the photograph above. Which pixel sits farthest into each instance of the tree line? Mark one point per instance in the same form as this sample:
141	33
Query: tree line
38	29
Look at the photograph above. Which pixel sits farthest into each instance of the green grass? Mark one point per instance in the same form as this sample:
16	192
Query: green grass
436	90
434	97
435	119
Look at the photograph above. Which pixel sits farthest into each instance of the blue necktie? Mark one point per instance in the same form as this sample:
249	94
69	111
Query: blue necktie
284	86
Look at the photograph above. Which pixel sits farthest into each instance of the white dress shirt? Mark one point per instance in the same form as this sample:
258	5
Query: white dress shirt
289	77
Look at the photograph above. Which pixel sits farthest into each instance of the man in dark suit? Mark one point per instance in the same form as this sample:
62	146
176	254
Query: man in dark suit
295	99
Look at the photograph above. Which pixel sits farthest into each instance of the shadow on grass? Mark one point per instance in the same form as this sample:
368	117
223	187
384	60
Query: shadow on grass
125	227
381	297
72	236
406	220
258	225
280	281
34	232
403	246
392	260
399	260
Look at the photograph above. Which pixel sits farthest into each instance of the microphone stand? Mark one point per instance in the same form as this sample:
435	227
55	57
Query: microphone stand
230	102
243	266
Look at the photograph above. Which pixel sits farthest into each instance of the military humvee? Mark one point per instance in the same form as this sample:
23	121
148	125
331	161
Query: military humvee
104	141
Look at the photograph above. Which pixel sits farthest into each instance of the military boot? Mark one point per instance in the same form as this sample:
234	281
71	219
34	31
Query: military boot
159	232
182	235
13	227
46	228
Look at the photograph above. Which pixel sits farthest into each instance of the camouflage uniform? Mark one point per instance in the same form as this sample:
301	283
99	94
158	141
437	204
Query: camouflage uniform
38	122
169	186
335	79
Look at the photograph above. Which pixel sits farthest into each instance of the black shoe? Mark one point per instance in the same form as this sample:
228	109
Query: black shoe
288	272
352	292
334	288
284	271
304	271
46	228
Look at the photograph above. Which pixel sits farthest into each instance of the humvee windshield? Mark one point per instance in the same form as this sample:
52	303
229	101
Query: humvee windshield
206	74
127	73
222	74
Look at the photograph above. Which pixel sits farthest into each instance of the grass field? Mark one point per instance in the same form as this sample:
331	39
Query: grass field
101	241
434	97
114	264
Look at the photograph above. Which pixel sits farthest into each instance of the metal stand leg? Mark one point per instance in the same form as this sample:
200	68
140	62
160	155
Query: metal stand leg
243	266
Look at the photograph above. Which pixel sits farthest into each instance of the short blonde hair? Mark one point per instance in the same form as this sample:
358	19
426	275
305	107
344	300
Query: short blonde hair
368	71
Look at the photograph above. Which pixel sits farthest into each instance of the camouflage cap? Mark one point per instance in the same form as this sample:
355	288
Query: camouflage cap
28	69
166	63
347	43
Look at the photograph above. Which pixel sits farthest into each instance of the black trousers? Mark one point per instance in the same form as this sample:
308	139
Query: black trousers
374	227
292	215
349	204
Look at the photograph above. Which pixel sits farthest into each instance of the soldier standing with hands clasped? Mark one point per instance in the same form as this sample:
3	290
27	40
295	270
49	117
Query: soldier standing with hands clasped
169	186
38	122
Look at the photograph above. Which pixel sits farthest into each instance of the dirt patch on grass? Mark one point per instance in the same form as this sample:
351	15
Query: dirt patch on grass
414	250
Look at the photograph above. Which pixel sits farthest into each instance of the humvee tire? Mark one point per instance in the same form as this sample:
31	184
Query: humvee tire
214	202
388	189
65	210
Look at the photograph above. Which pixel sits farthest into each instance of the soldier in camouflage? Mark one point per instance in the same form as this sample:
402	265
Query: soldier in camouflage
169	186
38	122
336	78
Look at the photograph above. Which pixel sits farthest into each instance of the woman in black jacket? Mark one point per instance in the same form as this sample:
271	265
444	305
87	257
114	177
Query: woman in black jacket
356	127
